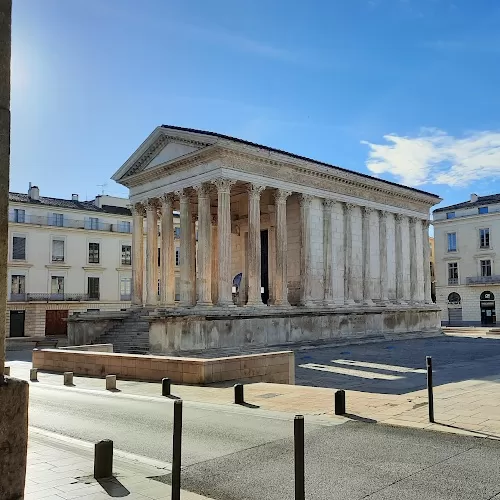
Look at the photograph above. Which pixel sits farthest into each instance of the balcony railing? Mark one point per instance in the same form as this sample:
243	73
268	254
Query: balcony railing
482	280
41	220
126	296
452	281
51	297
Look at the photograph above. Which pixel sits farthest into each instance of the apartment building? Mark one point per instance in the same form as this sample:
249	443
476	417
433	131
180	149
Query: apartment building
66	256
466	237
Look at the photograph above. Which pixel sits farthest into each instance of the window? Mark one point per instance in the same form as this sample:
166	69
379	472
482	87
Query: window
18	248
18	284
159	258
484	238
93	253
19	215
177	289
485	266
483	210
124	227
93	288
57	285
126	255
56	220
177	232
57	250
452	242
125	288
450	215
93	223
454	298
453	273
177	257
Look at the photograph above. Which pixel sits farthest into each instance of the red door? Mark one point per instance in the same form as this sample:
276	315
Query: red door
55	322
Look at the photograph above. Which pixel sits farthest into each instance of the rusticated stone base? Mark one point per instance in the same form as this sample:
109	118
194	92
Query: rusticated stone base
178	330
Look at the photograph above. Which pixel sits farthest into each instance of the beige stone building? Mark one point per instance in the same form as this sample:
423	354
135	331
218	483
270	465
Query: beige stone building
467	272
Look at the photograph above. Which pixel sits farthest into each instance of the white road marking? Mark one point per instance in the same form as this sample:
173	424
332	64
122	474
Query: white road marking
350	372
380	366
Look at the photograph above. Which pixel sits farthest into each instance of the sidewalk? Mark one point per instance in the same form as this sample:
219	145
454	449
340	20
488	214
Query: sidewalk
62	468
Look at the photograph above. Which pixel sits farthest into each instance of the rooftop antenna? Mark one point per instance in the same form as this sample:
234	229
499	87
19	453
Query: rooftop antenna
102	186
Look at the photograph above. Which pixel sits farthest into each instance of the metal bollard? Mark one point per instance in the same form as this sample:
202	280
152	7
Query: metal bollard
238	394
34	375
6	371
165	387
68	378
176	451
430	389
110	382
298	437
103	459
340	403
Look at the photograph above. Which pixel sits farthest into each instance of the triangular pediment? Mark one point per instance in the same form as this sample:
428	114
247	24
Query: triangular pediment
171	151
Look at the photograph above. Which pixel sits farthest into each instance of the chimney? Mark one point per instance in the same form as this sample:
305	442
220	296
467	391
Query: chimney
97	201
74	197
34	193
473	198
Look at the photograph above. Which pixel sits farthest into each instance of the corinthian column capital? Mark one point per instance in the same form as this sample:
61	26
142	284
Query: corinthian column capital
305	200
328	204
281	195
367	211
224	185
255	190
138	209
203	190
152	205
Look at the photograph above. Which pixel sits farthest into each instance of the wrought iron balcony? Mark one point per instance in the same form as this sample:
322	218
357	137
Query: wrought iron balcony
41	220
126	296
50	297
483	280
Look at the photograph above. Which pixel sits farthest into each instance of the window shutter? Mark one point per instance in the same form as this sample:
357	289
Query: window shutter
87	222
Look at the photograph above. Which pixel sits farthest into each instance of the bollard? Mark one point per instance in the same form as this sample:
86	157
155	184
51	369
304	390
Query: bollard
298	437
103	459
165	387
6	371
340	403
238	394
34	374
68	378
430	389
110	382
176	451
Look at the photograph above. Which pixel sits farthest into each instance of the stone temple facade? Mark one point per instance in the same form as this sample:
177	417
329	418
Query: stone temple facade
274	247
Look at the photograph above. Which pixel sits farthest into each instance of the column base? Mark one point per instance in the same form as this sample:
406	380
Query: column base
368	302
350	302
255	304
385	302
400	302
282	305
226	304
204	304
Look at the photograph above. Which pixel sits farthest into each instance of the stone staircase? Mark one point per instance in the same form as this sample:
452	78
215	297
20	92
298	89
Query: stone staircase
130	336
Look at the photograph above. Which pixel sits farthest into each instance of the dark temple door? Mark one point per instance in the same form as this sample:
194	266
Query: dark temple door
264	265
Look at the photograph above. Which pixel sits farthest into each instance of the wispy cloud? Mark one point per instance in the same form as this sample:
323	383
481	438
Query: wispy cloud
435	157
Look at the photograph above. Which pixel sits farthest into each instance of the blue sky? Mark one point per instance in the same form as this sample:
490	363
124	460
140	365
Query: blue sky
403	89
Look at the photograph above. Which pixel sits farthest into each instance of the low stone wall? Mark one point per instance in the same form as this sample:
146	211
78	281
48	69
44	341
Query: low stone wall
92	348
276	367
83	329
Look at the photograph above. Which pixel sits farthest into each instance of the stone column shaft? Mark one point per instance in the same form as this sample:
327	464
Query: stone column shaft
348	274
305	250
204	280
366	246
399	259
328	261
413	261
215	260
271	258
186	250
152	253
427	261
384	284
138	254
281	282
225	298
167	253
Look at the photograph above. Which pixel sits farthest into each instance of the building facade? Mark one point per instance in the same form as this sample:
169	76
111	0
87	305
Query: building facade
467	236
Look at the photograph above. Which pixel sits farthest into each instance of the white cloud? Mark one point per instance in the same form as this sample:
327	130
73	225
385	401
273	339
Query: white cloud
435	157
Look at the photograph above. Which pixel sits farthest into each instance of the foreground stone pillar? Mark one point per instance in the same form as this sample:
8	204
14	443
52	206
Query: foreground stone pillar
305	250
152	252
427	262
413	261
138	213
384	284
281	283
167	254
204	280
215	260
254	250
13	393
400	293
366	247
348	275
328	263
225	297
186	252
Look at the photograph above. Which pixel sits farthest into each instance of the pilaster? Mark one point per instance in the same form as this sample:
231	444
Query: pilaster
328	263
384	285
413	261
427	261
167	253
400	298
366	247
348	271
305	251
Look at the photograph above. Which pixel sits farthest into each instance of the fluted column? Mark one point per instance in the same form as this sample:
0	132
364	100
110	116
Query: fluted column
271	257
366	248
167	253
138	212
204	281
254	254
225	297
215	260
348	271
427	261
400	293
186	250
305	251
328	261
384	284
152	252
281	283
413	261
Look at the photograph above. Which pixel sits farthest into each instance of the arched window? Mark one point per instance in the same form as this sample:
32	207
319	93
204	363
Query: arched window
454	298
487	296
